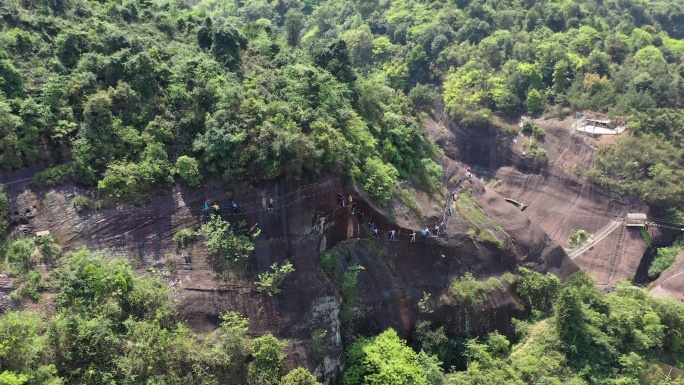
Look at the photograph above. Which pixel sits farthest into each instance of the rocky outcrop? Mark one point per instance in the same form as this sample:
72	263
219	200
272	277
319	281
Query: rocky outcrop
6	287
558	198
305	222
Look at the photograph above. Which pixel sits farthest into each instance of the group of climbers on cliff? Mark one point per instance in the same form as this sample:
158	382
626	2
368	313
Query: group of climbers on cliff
217	209
345	200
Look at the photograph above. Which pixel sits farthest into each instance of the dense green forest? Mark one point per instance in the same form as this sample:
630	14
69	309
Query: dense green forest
128	95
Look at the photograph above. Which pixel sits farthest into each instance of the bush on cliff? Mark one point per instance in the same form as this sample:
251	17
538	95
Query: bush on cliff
299	376
225	245
382	360
4	212
665	257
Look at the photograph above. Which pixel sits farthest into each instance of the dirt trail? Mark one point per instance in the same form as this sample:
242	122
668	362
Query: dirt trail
536	329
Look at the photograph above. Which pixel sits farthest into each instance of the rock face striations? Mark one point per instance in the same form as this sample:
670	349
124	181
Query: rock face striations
346	281
557	197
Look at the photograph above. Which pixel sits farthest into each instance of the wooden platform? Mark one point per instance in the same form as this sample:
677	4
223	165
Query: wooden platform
636	220
595	130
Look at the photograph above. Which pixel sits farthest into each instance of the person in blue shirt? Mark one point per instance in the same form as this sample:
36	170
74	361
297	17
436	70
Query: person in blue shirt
206	208
235	207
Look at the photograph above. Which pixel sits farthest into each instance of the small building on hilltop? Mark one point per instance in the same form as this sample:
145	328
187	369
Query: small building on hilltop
594	125
636	220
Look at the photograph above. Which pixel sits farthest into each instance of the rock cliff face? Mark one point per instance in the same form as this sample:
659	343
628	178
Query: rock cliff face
558	199
306	222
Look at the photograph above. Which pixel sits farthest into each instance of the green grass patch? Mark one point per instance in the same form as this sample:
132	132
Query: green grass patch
646	237
30	286
466	291
494	283
487	235
509	278
348	291
479	223
409	199
665	257
376	249
470	292
332	265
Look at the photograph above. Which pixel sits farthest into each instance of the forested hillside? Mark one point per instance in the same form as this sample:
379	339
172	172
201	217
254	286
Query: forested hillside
128	97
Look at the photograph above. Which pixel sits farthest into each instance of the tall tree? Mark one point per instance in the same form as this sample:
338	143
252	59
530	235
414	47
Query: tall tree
294	22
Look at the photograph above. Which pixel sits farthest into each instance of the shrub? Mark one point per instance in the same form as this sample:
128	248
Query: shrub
578	237
348	291
30	286
423	98
54	175
528	127
534	152
81	203
20	255
267	367
134	182
382	359
171	262
534	102
332	266
379	179
424	306
467	291
4	211
225	245
432	175
540	156
299	376
188	168
49	250
34	284
184	236
665	257
537	290
269	282
317	345
21	338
